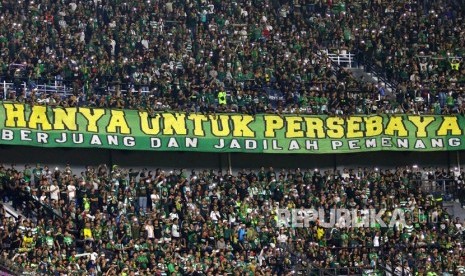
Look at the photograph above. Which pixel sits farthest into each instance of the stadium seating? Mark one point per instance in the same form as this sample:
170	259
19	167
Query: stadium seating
116	221
210	56
180	55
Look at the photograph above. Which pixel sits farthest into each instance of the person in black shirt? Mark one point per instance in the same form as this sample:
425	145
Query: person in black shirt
141	191
157	230
80	192
94	201
15	239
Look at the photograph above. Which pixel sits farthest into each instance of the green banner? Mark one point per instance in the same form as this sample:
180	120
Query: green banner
134	130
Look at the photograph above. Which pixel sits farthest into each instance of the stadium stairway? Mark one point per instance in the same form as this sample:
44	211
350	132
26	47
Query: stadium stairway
10	212
348	61
360	73
38	208
454	209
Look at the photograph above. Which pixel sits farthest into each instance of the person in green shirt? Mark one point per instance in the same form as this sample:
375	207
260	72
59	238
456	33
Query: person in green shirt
37	172
68	239
27	173
142	260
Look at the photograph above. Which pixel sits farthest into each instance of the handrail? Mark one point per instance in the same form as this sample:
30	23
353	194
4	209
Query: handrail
10	211
381	268
379	73
353	271
438	186
60	89
65	91
46	207
10	268
340	59
8	86
311	269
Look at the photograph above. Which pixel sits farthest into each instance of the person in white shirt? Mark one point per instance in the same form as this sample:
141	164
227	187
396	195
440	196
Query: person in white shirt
376	240
71	191
191	206
155	199
43	197
47	173
282	237
54	191
215	214
232	218
174	214
175	230
149	228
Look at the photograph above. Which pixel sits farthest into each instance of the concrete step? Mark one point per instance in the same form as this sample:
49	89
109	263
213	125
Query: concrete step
359	73
454	209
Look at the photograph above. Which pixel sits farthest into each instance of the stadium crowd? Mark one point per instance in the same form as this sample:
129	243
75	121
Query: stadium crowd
209	56
115	221
256	56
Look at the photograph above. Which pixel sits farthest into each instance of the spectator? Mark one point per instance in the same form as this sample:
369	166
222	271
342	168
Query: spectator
231	220
223	57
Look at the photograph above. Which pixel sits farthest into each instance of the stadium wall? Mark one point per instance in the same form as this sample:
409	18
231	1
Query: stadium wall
168	160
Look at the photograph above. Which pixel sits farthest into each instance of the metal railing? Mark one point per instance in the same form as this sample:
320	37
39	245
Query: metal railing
33	207
113	89
341	58
340	271
10	268
445	187
10	212
379	73
352	271
62	90
39	206
302	265
9	86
